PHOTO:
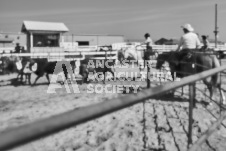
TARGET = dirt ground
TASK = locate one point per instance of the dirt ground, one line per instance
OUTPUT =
(157, 124)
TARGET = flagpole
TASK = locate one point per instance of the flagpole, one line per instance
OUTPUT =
(216, 28)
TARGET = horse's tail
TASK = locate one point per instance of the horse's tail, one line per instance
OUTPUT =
(215, 78)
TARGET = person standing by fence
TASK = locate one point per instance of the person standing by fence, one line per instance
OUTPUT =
(148, 42)
(147, 53)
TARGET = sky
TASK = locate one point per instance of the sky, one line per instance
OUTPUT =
(131, 18)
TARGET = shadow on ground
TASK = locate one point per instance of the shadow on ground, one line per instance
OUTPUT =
(15, 82)
(170, 97)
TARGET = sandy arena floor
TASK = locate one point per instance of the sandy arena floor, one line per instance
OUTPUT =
(157, 124)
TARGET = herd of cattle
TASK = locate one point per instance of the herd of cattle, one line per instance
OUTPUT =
(25, 66)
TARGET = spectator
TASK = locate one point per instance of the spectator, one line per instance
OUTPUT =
(49, 44)
(148, 42)
(23, 50)
(39, 44)
(205, 42)
(17, 48)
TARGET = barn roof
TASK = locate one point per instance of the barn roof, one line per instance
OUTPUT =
(43, 26)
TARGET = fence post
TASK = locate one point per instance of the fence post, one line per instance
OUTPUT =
(105, 54)
(221, 95)
(144, 59)
(191, 104)
(2, 60)
(148, 75)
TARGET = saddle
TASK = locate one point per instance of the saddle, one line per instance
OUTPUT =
(184, 57)
(185, 54)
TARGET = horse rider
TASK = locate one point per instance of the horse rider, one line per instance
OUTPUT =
(148, 42)
(205, 43)
(188, 42)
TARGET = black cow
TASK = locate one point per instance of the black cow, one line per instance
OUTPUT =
(24, 67)
(45, 68)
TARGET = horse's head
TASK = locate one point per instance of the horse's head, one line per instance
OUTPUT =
(160, 60)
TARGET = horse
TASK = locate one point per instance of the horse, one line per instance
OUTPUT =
(172, 59)
(132, 53)
(193, 62)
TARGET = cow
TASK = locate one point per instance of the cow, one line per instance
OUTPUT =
(25, 66)
(95, 66)
(45, 68)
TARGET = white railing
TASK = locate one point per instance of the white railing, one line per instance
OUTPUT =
(163, 48)
(166, 48)
(68, 56)
(59, 53)
(7, 49)
(87, 48)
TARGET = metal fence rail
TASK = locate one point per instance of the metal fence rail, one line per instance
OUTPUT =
(204, 137)
(23, 134)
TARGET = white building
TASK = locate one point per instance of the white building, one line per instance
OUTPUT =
(43, 36)
(46, 36)
(91, 40)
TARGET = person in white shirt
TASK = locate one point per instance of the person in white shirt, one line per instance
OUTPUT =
(148, 42)
(189, 40)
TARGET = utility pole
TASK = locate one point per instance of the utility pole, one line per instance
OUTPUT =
(72, 40)
(216, 28)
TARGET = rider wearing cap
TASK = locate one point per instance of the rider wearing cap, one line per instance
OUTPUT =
(188, 42)
(148, 42)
